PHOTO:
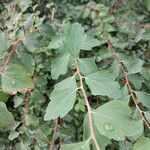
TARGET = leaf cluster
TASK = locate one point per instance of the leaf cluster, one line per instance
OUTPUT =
(75, 75)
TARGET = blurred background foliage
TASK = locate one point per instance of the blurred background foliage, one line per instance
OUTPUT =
(40, 23)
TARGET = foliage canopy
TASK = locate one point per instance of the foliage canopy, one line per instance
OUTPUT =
(74, 74)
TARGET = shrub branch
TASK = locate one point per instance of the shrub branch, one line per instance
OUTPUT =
(9, 56)
(54, 135)
(135, 101)
(115, 6)
(129, 22)
(92, 134)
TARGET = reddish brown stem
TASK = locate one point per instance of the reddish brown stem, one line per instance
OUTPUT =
(144, 26)
(9, 56)
(126, 22)
(128, 83)
(115, 6)
(92, 134)
(54, 135)
(60, 143)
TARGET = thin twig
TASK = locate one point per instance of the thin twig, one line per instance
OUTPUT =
(9, 56)
(126, 78)
(92, 134)
(129, 22)
(25, 112)
(26, 107)
(54, 135)
(53, 14)
(144, 26)
(115, 6)
(26, 103)
(127, 83)
(60, 143)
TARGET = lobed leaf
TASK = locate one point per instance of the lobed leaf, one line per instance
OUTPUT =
(144, 98)
(85, 145)
(87, 66)
(4, 43)
(103, 83)
(62, 99)
(114, 121)
(6, 118)
(16, 79)
(59, 65)
(142, 144)
(75, 39)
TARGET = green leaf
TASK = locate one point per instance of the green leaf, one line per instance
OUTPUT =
(139, 35)
(31, 120)
(103, 54)
(85, 145)
(6, 118)
(46, 30)
(86, 13)
(146, 34)
(37, 96)
(103, 83)
(56, 42)
(108, 27)
(62, 99)
(15, 78)
(18, 100)
(147, 4)
(114, 120)
(59, 65)
(133, 65)
(147, 115)
(3, 96)
(13, 135)
(27, 62)
(75, 39)
(41, 137)
(114, 69)
(144, 98)
(87, 66)
(146, 73)
(125, 96)
(32, 42)
(142, 144)
(125, 145)
(24, 4)
(4, 43)
(29, 22)
(118, 43)
(102, 140)
(136, 80)
(89, 43)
